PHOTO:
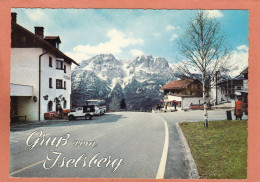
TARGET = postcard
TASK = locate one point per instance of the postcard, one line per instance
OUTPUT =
(129, 94)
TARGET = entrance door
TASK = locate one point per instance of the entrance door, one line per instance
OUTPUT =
(57, 105)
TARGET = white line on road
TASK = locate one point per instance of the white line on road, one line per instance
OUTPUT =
(161, 170)
(25, 168)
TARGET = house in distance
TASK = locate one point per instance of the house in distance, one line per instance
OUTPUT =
(40, 73)
(183, 92)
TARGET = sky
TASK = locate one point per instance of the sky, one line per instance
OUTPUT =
(127, 33)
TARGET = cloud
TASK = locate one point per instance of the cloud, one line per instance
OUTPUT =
(170, 27)
(214, 13)
(36, 15)
(174, 36)
(242, 47)
(238, 62)
(78, 57)
(118, 40)
(136, 52)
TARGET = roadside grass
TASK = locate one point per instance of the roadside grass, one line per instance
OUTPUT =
(220, 152)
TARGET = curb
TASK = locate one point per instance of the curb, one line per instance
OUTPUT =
(192, 165)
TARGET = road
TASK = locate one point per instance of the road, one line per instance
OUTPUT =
(117, 145)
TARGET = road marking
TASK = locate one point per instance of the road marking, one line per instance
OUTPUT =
(161, 170)
(25, 168)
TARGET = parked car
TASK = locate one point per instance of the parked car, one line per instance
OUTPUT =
(100, 106)
(82, 111)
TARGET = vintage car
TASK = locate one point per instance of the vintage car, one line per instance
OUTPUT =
(83, 111)
(100, 106)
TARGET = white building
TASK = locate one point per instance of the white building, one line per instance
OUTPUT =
(40, 77)
(184, 93)
(228, 90)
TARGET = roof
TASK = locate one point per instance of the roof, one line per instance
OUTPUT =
(245, 71)
(178, 84)
(34, 41)
(52, 38)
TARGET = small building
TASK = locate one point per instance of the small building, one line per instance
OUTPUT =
(228, 90)
(40, 77)
(243, 91)
(185, 92)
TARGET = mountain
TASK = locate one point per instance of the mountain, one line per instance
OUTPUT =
(138, 80)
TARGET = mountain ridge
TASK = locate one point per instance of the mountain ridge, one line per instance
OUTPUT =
(138, 80)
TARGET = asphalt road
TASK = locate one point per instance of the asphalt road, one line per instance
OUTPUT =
(116, 145)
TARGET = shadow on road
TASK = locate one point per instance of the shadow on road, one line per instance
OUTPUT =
(23, 126)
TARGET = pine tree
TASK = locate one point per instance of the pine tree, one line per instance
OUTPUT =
(123, 104)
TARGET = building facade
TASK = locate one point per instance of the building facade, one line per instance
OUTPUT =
(40, 77)
(227, 91)
(185, 92)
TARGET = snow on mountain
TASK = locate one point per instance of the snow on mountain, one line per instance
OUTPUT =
(104, 76)
(138, 80)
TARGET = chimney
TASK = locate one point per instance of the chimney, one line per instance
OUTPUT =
(39, 31)
(13, 15)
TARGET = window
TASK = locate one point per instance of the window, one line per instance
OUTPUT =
(58, 84)
(50, 61)
(79, 108)
(50, 82)
(64, 85)
(59, 65)
(64, 68)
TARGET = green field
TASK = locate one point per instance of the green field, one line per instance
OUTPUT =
(220, 152)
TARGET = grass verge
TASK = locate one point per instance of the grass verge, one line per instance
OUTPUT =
(220, 152)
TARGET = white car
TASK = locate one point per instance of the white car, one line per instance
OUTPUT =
(99, 111)
(100, 106)
(84, 111)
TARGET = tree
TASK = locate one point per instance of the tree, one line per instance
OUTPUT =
(204, 46)
(114, 103)
(123, 104)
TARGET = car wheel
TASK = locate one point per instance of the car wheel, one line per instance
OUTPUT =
(88, 116)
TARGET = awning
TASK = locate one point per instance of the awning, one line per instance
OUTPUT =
(239, 92)
(21, 90)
